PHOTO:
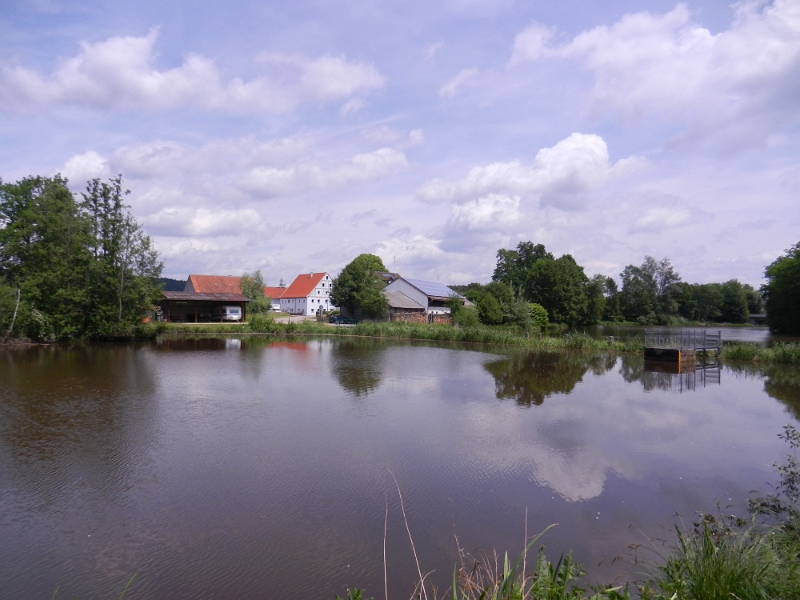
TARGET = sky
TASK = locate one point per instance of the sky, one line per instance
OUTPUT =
(292, 136)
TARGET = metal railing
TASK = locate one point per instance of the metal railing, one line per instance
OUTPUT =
(697, 339)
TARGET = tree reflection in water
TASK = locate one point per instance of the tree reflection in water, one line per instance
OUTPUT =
(530, 377)
(781, 382)
(358, 364)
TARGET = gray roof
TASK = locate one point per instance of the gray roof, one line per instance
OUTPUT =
(400, 300)
(432, 288)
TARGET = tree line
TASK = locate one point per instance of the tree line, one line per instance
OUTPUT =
(72, 268)
(649, 294)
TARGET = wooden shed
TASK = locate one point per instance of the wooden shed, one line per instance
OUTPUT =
(194, 307)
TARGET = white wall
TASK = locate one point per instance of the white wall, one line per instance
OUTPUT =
(401, 285)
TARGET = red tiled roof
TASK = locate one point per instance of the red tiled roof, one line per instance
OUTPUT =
(303, 285)
(226, 284)
(216, 284)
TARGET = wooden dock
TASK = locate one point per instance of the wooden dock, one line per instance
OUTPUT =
(680, 345)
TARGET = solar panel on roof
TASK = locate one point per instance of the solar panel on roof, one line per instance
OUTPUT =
(432, 288)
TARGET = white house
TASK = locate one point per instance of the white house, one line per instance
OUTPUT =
(308, 294)
(430, 294)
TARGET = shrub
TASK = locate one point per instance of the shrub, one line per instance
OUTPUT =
(538, 314)
(466, 317)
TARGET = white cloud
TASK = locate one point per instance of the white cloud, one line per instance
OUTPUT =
(489, 212)
(417, 252)
(464, 77)
(82, 167)
(202, 222)
(272, 181)
(649, 64)
(531, 44)
(557, 175)
(121, 73)
(432, 50)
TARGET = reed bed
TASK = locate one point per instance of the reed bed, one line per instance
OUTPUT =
(780, 353)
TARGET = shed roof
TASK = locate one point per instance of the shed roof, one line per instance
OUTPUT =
(215, 284)
(400, 300)
(203, 297)
(303, 285)
(432, 289)
(274, 292)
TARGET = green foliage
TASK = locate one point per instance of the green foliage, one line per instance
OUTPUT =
(262, 323)
(595, 300)
(785, 353)
(466, 317)
(538, 315)
(489, 310)
(558, 284)
(358, 289)
(83, 269)
(733, 308)
(646, 290)
(782, 292)
(253, 286)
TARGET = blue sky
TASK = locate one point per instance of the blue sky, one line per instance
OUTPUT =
(290, 137)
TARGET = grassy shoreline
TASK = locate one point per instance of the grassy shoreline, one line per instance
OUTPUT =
(413, 331)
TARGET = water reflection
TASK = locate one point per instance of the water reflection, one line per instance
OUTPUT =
(530, 377)
(781, 382)
(74, 415)
(358, 365)
(680, 377)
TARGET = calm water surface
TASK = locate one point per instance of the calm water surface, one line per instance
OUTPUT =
(228, 468)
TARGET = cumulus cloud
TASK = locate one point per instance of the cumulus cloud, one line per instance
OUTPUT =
(464, 77)
(82, 167)
(557, 176)
(489, 212)
(121, 73)
(648, 64)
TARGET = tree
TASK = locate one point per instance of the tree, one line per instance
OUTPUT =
(646, 290)
(82, 269)
(125, 268)
(733, 308)
(489, 310)
(559, 286)
(595, 299)
(513, 265)
(782, 292)
(358, 289)
(252, 286)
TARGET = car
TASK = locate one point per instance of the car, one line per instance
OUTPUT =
(226, 313)
(340, 320)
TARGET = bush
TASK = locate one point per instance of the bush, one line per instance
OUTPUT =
(466, 317)
(260, 323)
(539, 317)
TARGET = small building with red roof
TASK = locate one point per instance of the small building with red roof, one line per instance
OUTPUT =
(309, 294)
(227, 284)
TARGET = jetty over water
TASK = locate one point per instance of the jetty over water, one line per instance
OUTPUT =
(679, 345)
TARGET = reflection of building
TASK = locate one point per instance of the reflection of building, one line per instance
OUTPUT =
(680, 377)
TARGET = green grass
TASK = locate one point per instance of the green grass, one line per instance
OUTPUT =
(780, 353)
(414, 331)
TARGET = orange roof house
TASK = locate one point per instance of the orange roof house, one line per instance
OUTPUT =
(308, 294)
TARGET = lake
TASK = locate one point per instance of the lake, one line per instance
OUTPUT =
(255, 468)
